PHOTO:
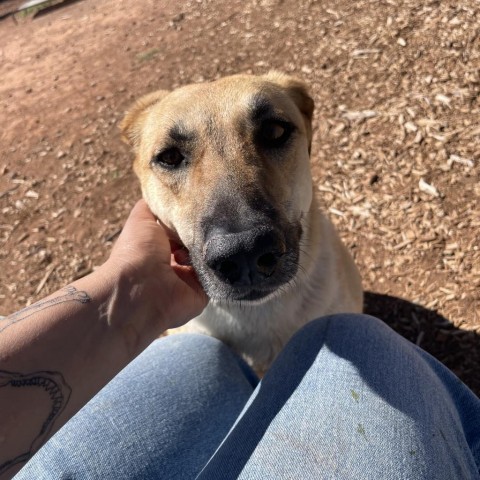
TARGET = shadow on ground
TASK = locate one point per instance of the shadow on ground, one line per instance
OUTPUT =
(458, 349)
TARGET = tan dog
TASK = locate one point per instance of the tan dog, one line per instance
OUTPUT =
(226, 167)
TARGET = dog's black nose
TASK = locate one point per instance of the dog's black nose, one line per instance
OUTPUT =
(245, 258)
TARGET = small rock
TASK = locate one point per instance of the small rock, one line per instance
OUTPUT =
(443, 99)
(44, 256)
(178, 18)
(31, 194)
(410, 127)
(427, 188)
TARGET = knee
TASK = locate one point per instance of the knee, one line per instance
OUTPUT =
(193, 341)
(193, 351)
(346, 331)
(356, 324)
(186, 348)
(359, 344)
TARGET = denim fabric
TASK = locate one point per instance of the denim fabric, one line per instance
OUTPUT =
(350, 399)
(174, 402)
(347, 399)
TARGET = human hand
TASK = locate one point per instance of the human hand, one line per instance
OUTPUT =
(169, 294)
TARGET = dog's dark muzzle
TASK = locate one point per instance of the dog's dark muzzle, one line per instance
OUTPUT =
(245, 259)
(245, 249)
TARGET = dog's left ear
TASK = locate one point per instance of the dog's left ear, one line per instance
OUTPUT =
(298, 91)
(132, 124)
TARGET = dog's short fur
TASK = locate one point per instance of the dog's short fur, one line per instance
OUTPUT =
(225, 166)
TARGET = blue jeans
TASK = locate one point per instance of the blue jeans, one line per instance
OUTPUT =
(348, 398)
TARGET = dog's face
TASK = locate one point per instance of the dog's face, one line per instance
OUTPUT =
(225, 166)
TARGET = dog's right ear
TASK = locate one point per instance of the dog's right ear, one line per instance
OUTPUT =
(132, 124)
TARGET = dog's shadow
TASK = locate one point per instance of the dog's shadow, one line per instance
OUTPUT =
(458, 349)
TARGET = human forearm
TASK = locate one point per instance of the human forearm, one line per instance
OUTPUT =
(57, 354)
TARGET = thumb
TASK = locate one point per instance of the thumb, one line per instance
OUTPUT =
(141, 212)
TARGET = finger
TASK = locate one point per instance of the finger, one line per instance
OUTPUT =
(141, 212)
(188, 276)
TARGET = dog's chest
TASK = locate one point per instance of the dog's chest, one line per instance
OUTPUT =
(257, 333)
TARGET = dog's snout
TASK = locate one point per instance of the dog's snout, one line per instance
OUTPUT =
(246, 258)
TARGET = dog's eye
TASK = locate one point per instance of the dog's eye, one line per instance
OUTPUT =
(169, 158)
(274, 133)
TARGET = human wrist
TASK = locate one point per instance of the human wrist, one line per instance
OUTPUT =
(125, 306)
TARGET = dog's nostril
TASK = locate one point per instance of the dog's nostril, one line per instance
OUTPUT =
(229, 270)
(248, 258)
(267, 263)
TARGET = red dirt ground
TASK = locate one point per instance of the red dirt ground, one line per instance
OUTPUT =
(395, 157)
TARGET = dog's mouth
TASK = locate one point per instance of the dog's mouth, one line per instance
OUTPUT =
(180, 253)
(250, 295)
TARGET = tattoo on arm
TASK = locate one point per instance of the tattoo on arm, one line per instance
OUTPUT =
(52, 383)
(58, 392)
(67, 294)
